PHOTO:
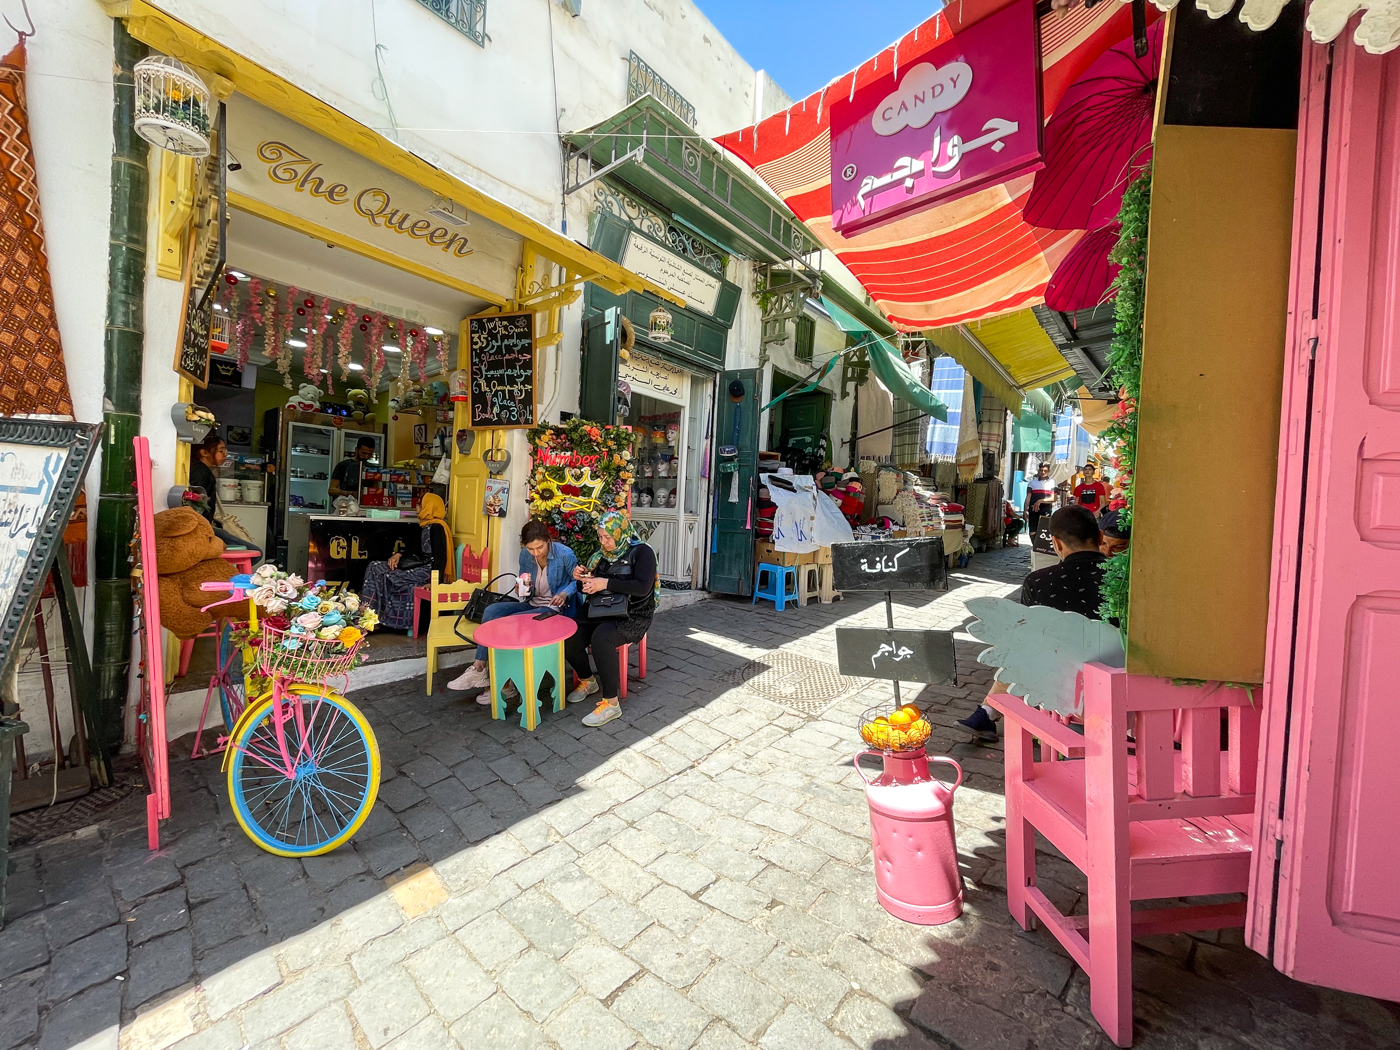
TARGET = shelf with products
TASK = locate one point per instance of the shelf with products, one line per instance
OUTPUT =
(399, 487)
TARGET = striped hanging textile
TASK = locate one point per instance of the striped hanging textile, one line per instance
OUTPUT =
(32, 375)
(970, 258)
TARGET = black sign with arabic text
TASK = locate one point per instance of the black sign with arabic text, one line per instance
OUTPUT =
(905, 656)
(887, 565)
(502, 370)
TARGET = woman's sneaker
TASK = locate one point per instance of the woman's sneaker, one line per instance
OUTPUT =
(586, 688)
(471, 678)
(604, 713)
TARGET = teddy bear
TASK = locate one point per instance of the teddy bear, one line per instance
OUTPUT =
(359, 402)
(306, 399)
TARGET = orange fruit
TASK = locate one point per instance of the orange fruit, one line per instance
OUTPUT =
(881, 720)
(902, 717)
(912, 710)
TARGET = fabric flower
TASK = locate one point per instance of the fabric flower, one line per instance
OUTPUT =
(277, 623)
(296, 581)
(332, 618)
(352, 603)
(286, 589)
(368, 620)
(310, 603)
(290, 643)
(310, 620)
(348, 636)
(275, 605)
(296, 628)
(324, 607)
(328, 633)
(264, 573)
(264, 594)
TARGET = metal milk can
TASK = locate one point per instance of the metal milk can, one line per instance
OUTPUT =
(911, 825)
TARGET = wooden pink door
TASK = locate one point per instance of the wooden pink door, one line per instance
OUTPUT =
(1325, 886)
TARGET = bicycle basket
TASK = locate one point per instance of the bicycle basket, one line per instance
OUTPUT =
(304, 657)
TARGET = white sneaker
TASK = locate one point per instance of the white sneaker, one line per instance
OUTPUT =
(586, 688)
(471, 678)
(604, 713)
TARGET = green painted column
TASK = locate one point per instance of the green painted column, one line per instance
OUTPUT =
(123, 354)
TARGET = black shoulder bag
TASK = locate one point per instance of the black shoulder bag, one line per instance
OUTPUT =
(608, 606)
(482, 599)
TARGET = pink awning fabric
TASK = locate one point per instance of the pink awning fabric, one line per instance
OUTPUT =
(970, 258)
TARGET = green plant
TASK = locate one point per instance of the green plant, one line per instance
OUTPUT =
(1125, 364)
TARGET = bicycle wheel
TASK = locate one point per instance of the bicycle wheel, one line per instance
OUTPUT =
(233, 690)
(335, 780)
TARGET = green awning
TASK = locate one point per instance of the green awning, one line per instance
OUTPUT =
(888, 365)
(805, 386)
(1031, 433)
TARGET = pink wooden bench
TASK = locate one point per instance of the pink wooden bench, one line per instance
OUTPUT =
(1140, 818)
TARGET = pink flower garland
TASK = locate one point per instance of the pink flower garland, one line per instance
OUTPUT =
(318, 329)
(442, 356)
(374, 354)
(420, 351)
(347, 338)
(243, 338)
(284, 352)
(269, 323)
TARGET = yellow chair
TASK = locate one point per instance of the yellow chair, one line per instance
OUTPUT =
(446, 601)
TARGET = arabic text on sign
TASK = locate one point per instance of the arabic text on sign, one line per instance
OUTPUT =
(699, 289)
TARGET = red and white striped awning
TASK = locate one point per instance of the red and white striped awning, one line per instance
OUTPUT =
(970, 258)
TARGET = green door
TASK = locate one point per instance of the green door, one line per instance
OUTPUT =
(804, 422)
(731, 545)
(598, 387)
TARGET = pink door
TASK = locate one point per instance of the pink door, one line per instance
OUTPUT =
(1325, 887)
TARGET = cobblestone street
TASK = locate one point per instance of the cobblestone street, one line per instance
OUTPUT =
(695, 874)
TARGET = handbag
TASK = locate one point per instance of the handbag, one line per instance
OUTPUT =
(606, 606)
(482, 599)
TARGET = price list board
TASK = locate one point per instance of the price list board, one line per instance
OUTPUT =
(501, 350)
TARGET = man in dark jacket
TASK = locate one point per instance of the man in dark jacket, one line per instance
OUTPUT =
(1074, 585)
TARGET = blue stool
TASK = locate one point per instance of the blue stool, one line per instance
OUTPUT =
(781, 587)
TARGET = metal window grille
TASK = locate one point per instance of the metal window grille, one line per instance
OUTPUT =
(643, 80)
(466, 16)
(806, 337)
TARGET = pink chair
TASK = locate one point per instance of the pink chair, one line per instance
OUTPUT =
(1140, 818)
(622, 665)
(470, 571)
(243, 562)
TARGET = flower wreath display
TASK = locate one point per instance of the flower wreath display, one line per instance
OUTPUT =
(578, 471)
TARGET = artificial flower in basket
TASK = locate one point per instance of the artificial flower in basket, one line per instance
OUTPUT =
(306, 620)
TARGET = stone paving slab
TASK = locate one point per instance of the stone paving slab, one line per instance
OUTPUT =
(696, 874)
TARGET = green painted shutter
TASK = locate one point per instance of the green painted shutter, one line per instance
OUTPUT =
(727, 303)
(610, 237)
(598, 386)
(731, 556)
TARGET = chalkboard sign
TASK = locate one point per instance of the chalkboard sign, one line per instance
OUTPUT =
(205, 261)
(904, 656)
(193, 361)
(502, 370)
(887, 565)
(41, 472)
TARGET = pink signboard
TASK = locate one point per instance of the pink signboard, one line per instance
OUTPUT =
(961, 115)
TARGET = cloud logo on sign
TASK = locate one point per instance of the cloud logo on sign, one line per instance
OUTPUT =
(925, 92)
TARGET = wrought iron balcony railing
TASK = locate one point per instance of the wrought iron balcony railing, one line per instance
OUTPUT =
(466, 16)
(643, 80)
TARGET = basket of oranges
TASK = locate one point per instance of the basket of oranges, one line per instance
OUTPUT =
(903, 729)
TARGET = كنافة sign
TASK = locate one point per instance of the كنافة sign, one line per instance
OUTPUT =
(886, 565)
(896, 655)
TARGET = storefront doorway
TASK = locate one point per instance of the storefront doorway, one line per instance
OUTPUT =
(669, 409)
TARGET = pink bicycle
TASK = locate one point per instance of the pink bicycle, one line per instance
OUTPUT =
(302, 761)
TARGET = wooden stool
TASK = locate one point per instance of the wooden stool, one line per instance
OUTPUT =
(807, 587)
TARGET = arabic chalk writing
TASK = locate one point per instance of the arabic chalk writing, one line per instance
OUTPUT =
(901, 653)
(502, 370)
(887, 563)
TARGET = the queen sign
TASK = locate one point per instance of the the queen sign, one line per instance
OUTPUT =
(963, 114)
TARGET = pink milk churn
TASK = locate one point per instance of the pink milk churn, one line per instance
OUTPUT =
(916, 849)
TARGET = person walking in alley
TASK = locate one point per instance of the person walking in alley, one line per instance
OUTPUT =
(1040, 497)
(1074, 585)
(624, 567)
(1091, 493)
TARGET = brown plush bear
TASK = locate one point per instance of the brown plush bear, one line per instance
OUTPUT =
(187, 554)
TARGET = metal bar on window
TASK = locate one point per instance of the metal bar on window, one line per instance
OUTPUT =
(468, 17)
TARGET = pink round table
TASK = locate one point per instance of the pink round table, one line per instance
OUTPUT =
(522, 649)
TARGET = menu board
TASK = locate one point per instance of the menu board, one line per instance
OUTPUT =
(193, 359)
(205, 261)
(501, 349)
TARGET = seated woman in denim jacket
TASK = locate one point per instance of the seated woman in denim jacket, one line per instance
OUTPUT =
(546, 581)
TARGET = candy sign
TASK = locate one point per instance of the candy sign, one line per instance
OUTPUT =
(963, 115)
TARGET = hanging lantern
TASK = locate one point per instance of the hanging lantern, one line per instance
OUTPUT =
(460, 387)
(661, 327)
(172, 106)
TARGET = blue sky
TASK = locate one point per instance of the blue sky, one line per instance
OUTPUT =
(803, 44)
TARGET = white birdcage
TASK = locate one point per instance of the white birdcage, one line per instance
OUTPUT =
(172, 106)
(661, 327)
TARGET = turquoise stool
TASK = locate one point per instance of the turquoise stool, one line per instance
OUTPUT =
(781, 587)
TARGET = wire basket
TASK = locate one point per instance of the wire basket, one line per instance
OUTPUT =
(304, 657)
(877, 731)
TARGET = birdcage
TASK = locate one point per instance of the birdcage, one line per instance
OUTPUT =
(172, 106)
(661, 327)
